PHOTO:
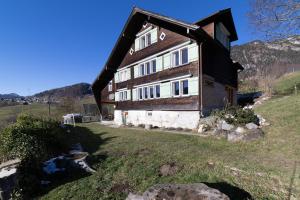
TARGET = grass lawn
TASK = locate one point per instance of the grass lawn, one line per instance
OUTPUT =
(286, 84)
(129, 159)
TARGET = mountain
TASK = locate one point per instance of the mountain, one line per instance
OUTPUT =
(10, 96)
(256, 56)
(74, 91)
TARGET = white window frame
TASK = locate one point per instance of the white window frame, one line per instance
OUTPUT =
(180, 83)
(145, 67)
(122, 95)
(142, 89)
(110, 86)
(180, 57)
(144, 40)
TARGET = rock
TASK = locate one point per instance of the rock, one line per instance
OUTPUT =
(168, 169)
(253, 134)
(240, 130)
(132, 196)
(183, 191)
(202, 128)
(251, 126)
(225, 126)
(235, 136)
(262, 121)
(210, 121)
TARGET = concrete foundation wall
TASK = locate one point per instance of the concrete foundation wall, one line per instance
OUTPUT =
(175, 119)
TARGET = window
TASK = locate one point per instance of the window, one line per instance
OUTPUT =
(157, 91)
(123, 96)
(151, 90)
(175, 88)
(148, 92)
(148, 39)
(180, 88)
(175, 58)
(145, 92)
(148, 67)
(110, 86)
(140, 93)
(142, 70)
(184, 56)
(185, 87)
(153, 66)
(142, 42)
(222, 35)
(180, 57)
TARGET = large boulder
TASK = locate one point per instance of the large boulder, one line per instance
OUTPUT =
(225, 126)
(251, 126)
(180, 191)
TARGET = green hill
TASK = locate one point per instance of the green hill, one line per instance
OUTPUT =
(286, 84)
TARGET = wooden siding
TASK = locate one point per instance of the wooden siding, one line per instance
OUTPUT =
(179, 103)
(209, 29)
(190, 68)
(171, 39)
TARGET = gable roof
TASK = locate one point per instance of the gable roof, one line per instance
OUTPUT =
(223, 16)
(133, 25)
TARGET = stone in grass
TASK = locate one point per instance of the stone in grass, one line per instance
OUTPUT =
(240, 130)
(235, 136)
(202, 128)
(253, 134)
(183, 191)
(251, 126)
(225, 126)
(168, 169)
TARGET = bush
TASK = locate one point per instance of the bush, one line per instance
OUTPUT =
(236, 115)
(33, 140)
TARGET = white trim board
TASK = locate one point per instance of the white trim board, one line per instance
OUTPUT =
(170, 79)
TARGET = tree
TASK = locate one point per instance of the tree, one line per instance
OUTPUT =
(275, 19)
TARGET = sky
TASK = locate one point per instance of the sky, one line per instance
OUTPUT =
(46, 44)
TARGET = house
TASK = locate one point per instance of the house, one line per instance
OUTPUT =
(168, 73)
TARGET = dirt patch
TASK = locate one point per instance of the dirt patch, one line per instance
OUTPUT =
(168, 169)
(142, 152)
(121, 188)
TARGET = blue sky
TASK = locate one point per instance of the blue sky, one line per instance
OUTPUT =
(53, 43)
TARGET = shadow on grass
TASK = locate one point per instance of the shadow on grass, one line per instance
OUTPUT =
(231, 191)
(90, 143)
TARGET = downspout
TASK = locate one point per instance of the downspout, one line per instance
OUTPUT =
(200, 82)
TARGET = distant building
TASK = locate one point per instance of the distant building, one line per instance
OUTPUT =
(167, 72)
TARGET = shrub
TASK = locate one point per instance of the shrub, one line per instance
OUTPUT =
(236, 115)
(33, 140)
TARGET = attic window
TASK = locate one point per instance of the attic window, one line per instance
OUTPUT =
(162, 36)
(131, 51)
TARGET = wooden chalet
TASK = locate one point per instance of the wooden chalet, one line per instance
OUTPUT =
(168, 73)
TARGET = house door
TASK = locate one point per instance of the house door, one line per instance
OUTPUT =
(229, 93)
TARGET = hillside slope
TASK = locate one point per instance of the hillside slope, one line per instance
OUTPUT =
(257, 55)
(286, 84)
(75, 91)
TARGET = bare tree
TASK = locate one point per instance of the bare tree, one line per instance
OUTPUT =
(275, 19)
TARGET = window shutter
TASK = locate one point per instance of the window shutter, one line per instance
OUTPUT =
(117, 77)
(159, 63)
(165, 90)
(137, 44)
(128, 73)
(136, 71)
(193, 86)
(193, 52)
(153, 35)
(134, 94)
(117, 97)
(166, 61)
(128, 94)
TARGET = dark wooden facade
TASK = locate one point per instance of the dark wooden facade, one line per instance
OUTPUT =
(214, 60)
